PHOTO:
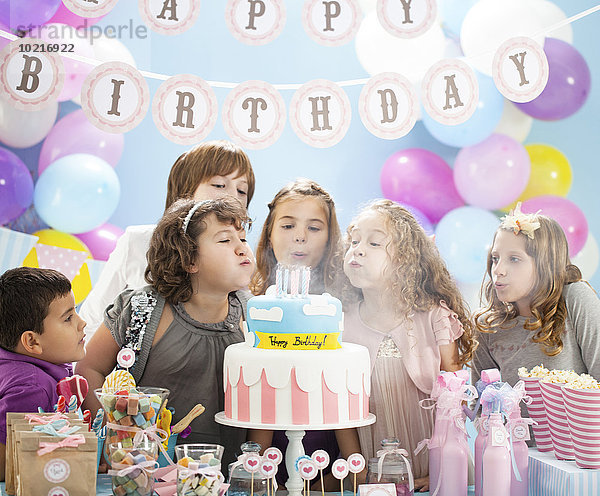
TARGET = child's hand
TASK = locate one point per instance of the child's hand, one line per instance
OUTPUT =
(422, 484)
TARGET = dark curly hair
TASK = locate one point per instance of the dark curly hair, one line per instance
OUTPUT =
(173, 250)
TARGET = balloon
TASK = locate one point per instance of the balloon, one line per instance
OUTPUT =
(588, 258)
(550, 14)
(568, 86)
(420, 217)
(493, 172)
(453, 13)
(464, 237)
(20, 129)
(81, 284)
(422, 179)
(75, 134)
(16, 186)
(28, 222)
(489, 23)
(566, 213)
(479, 126)
(550, 173)
(77, 193)
(379, 51)
(75, 72)
(102, 240)
(24, 15)
(65, 16)
(514, 123)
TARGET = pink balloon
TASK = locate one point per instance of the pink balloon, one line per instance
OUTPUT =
(75, 134)
(566, 213)
(493, 173)
(422, 179)
(102, 240)
(65, 16)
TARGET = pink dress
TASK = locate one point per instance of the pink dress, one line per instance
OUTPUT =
(405, 362)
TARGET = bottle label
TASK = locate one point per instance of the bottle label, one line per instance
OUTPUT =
(498, 435)
(520, 432)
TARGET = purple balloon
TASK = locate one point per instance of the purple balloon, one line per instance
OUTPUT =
(566, 213)
(75, 134)
(568, 84)
(422, 179)
(421, 218)
(24, 14)
(102, 240)
(16, 186)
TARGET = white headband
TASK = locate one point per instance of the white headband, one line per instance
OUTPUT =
(188, 217)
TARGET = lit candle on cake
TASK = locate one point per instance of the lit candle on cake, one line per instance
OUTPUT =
(305, 281)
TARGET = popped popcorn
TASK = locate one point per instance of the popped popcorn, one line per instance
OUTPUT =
(537, 371)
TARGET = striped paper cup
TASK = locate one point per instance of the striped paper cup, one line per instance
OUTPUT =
(541, 431)
(582, 407)
(557, 420)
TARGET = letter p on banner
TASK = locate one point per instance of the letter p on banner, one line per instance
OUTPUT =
(30, 80)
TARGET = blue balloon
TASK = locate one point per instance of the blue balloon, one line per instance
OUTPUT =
(463, 237)
(77, 193)
(479, 126)
(453, 13)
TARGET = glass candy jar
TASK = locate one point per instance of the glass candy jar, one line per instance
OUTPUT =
(242, 482)
(391, 466)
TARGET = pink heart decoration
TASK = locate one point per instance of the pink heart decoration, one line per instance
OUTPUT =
(267, 468)
(252, 463)
(307, 470)
(340, 468)
(272, 456)
(320, 459)
(356, 463)
(126, 357)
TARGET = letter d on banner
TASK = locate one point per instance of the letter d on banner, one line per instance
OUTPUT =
(115, 97)
(31, 81)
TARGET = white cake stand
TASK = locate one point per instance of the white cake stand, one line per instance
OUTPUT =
(294, 433)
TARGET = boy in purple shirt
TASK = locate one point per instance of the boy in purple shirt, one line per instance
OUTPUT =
(40, 335)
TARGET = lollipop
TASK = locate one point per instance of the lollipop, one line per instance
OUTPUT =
(75, 385)
(308, 471)
(356, 464)
(61, 404)
(273, 454)
(118, 379)
(340, 470)
(321, 459)
(252, 465)
(72, 404)
(269, 470)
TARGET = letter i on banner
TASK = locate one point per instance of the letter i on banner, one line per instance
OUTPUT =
(520, 69)
(331, 22)
(169, 17)
(30, 80)
(185, 109)
(406, 18)
(388, 106)
(115, 97)
(255, 22)
(320, 113)
(450, 92)
(254, 114)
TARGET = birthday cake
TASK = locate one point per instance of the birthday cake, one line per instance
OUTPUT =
(294, 368)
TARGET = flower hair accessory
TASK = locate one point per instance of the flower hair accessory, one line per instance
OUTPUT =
(188, 217)
(518, 221)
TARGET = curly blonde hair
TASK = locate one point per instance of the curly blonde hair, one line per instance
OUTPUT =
(553, 268)
(330, 267)
(418, 278)
(173, 250)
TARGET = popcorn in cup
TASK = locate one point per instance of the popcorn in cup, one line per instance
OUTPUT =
(537, 412)
(557, 420)
(198, 466)
(582, 407)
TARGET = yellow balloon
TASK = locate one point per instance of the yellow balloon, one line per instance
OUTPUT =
(81, 283)
(550, 174)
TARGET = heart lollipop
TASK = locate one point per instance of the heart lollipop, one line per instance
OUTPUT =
(75, 385)
(308, 471)
(339, 469)
(268, 468)
(356, 464)
(321, 459)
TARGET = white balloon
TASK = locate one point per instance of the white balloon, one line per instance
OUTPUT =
(379, 51)
(470, 292)
(22, 129)
(549, 14)
(514, 123)
(489, 23)
(367, 5)
(588, 258)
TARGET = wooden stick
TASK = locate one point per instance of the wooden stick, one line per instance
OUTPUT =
(187, 420)
(322, 486)
(252, 483)
(341, 487)
(354, 483)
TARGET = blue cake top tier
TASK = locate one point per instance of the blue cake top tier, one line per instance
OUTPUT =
(313, 322)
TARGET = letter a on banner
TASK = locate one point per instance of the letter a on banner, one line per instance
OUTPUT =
(90, 8)
(254, 114)
(406, 18)
(388, 105)
(520, 69)
(450, 92)
(320, 113)
(115, 97)
(185, 109)
(331, 22)
(30, 80)
(255, 22)
(169, 17)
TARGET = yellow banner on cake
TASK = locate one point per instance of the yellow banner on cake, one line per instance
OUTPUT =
(314, 341)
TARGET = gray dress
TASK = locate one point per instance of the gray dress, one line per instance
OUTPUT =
(187, 360)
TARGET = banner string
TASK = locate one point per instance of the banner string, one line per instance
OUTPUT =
(295, 86)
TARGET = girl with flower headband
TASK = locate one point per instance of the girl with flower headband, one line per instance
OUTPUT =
(209, 170)
(538, 309)
(179, 326)
(411, 317)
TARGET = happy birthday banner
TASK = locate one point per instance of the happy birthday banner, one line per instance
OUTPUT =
(115, 96)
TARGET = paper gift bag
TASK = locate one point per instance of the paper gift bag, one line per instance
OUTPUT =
(12, 419)
(56, 465)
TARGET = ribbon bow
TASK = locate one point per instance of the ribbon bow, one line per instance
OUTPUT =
(60, 430)
(38, 419)
(123, 469)
(68, 442)
(381, 454)
(153, 433)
